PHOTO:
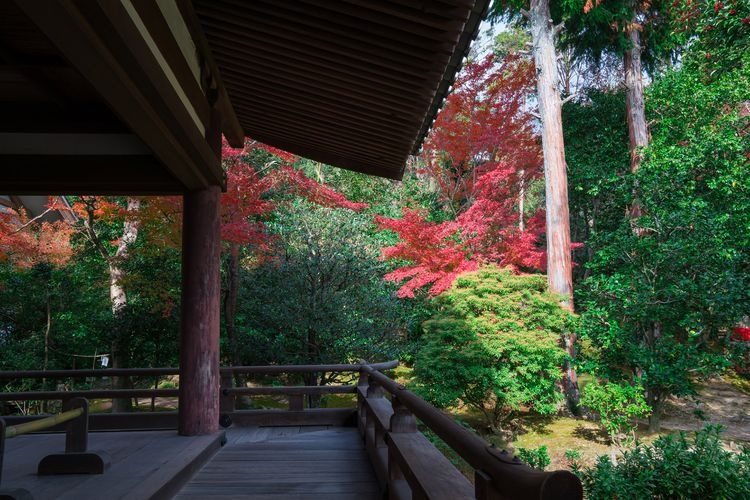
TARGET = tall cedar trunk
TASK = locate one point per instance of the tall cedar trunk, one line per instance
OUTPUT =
(635, 107)
(559, 258)
(634, 102)
(639, 138)
(119, 300)
(230, 310)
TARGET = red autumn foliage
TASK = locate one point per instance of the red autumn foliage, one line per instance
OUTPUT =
(482, 154)
(482, 124)
(27, 242)
(248, 186)
(247, 199)
(741, 333)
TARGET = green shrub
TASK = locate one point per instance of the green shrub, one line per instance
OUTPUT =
(537, 458)
(673, 467)
(494, 345)
(617, 406)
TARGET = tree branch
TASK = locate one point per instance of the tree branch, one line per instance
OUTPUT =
(525, 13)
(32, 221)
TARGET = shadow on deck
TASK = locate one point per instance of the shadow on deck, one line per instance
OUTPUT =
(308, 462)
(145, 464)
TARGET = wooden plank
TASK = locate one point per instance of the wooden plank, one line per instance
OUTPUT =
(329, 463)
(316, 416)
(161, 420)
(144, 465)
(294, 390)
(429, 473)
(95, 394)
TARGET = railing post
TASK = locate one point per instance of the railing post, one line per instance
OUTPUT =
(483, 487)
(374, 437)
(226, 403)
(376, 431)
(374, 389)
(402, 419)
(76, 459)
(361, 413)
(227, 399)
(296, 402)
(77, 431)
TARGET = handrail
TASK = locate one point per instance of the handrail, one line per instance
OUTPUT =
(76, 459)
(164, 371)
(102, 372)
(88, 394)
(508, 475)
(386, 365)
(45, 423)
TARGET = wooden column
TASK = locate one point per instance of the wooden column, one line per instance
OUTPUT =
(201, 289)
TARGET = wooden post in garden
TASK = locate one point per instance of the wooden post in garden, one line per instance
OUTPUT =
(199, 345)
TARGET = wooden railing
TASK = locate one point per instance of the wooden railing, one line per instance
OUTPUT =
(406, 463)
(296, 414)
(97, 421)
(409, 466)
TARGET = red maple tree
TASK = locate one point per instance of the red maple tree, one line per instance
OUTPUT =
(481, 154)
(26, 241)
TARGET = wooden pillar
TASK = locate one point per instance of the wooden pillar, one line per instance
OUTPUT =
(199, 345)
(201, 289)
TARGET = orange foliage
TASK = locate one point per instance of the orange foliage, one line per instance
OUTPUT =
(27, 242)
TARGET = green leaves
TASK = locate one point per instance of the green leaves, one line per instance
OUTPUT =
(674, 466)
(617, 405)
(664, 286)
(494, 345)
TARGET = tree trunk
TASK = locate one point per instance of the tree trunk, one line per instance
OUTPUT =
(634, 101)
(521, 199)
(230, 314)
(45, 403)
(657, 408)
(119, 300)
(559, 258)
(635, 107)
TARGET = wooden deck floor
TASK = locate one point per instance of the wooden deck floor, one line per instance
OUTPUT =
(150, 464)
(275, 463)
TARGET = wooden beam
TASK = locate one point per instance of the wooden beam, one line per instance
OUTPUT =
(102, 42)
(72, 118)
(82, 144)
(230, 125)
(86, 175)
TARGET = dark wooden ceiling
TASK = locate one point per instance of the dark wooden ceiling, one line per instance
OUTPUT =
(351, 83)
(43, 96)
